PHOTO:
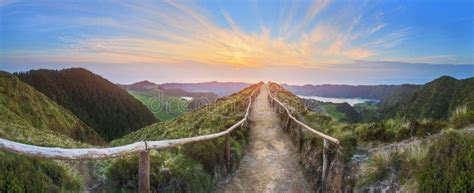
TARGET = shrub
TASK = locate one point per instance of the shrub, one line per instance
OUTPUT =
(22, 174)
(448, 165)
(375, 132)
(378, 168)
(348, 143)
(462, 117)
(169, 172)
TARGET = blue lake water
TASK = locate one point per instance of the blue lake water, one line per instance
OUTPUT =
(351, 101)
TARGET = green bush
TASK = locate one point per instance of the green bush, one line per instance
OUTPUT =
(448, 165)
(378, 168)
(348, 143)
(462, 117)
(169, 172)
(377, 131)
(420, 129)
(21, 174)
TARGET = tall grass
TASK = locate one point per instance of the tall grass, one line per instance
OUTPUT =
(378, 168)
(461, 117)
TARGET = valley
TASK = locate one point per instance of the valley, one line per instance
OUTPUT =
(378, 149)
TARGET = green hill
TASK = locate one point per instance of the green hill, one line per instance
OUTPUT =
(111, 111)
(436, 99)
(28, 115)
(164, 107)
(167, 104)
(190, 167)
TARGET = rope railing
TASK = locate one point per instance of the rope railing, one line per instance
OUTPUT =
(142, 147)
(326, 138)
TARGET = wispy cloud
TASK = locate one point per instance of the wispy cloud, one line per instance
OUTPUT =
(181, 33)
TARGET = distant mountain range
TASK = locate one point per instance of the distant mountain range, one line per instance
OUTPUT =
(168, 103)
(111, 111)
(377, 92)
(219, 88)
(434, 100)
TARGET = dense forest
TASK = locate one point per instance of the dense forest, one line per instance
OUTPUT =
(111, 111)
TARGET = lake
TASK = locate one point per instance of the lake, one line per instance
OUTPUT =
(351, 101)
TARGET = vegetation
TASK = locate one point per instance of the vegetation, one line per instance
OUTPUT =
(190, 166)
(435, 100)
(27, 113)
(102, 105)
(164, 107)
(345, 91)
(462, 117)
(174, 173)
(445, 164)
(453, 151)
(21, 174)
(379, 168)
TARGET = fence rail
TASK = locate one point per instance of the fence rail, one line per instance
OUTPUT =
(142, 147)
(326, 138)
(320, 134)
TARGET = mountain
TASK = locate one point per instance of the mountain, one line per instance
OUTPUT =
(140, 86)
(107, 108)
(168, 103)
(219, 88)
(435, 100)
(29, 114)
(377, 92)
(30, 117)
(342, 112)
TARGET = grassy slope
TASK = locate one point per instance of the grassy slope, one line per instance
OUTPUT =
(28, 115)
(102, 105)
(164, 107)
(194, 166)
(416, 169)
(436, 99)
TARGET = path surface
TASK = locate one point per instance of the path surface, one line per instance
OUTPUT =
(271, 161)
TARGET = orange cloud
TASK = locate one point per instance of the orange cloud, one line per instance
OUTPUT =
(178, 33)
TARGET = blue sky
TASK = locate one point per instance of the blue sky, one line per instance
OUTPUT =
(322, 41)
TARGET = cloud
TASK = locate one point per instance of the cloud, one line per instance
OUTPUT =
(172, 32)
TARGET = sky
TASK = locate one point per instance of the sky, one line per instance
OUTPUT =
(290, 41)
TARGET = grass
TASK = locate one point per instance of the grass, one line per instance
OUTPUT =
(454, 151)
(26, 107)
(162, 106)
(445, 164)
(378, 168)
(462, 117)
(21, 174)
(190, 167)
(368, 105)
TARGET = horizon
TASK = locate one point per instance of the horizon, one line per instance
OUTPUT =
(298, 42)
(237, 82)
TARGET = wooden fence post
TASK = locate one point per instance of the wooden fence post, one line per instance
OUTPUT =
(325, 165)
(227, 152)
(144, 172)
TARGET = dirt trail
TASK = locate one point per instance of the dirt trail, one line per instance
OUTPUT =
(271, 161)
